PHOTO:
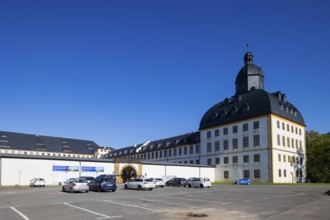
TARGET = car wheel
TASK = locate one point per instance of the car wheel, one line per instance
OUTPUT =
(162, 186)
(189, 185)
(87, 191)
(113, 190)
(150, 189)
(139, 187)
(201, 186)
(71, 190)
(63, 190)
(125, 186)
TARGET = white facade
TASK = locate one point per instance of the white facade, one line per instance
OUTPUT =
(19, 171)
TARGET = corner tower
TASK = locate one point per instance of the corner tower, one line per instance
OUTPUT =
(250, 77)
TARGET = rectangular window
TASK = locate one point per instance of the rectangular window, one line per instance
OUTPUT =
(256, 125)
(174, 152)
(197, 161)
(225, 131)
(292, 130)
(235, 159)
(256, 173)
(185, 150)
(257, 158)
(279, 157)
(283, 141)
(278, 124)
(226, 174)
(197, 149)
(245, 127)
(208, 134)
(225, 160)
(284, 158)
(279, 172)
(217, 146)
(160, 154)
(246, 173)
(246, 158)
(165, 153)
(235, 129)
(209, 148)
(292, 142)
(283, 126)
(278, 140)
(296, 143)
(209, 161)
(299, 131)
(245, 141)
(180, 151)
(225, 145)
(216, 133)
(235, 143)
(288, 141)
(217, 160)
(170, 152)
(191, 150)
(152, 155)
(191, 162)
(256, 140)
(287, 127)
(300, 144)
(296, 130)
(284, 173)
(156, 155)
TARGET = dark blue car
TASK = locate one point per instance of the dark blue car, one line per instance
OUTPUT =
(103, 183)
(243, 181)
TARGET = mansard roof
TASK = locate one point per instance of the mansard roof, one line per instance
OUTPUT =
(31, 142)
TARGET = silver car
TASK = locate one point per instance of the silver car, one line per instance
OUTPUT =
(139, 184)
(75, 185)
(199, 182)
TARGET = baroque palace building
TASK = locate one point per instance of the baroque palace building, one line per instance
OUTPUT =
(253, 134)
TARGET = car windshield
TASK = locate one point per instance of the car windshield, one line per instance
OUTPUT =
(158, 179)
(148, 180)
(109, 180)
(206, 179)
(81, 180)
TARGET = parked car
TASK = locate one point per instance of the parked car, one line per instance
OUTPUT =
(159, 182)
(37, 182)
(88, 178)
(243, 181)
(75, 185)
(103, 183)
(177, 181)
(139, 184)
(199, 182)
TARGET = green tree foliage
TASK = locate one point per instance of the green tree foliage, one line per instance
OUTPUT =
(318, 156)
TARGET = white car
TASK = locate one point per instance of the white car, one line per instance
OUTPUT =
(139, 184)
(199, 182)
(37, 182)
(75, 185)
(159, 182)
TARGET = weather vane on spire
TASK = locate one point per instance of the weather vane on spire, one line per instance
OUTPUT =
(247, 43)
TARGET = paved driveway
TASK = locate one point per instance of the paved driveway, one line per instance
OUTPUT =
(218, 202)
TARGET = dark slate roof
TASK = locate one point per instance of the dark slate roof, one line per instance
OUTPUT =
(248, 70)
(30, 142)
(185, 139)
(248, 105)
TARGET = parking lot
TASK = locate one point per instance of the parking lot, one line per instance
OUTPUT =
(217, 202)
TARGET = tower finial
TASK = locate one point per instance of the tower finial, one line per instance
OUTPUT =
(247, 43)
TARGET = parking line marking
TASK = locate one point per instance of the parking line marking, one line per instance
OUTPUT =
(198, 200)
(20, 213)
(86, 210)
(171, 203)
(140, 207)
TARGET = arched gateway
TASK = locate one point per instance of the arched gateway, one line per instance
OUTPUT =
(128, 172)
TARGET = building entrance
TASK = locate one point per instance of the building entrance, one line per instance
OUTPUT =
(128, 173)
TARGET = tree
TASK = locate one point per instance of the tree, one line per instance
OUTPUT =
(318, 156)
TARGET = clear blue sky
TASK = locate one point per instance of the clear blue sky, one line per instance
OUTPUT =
(124, 72)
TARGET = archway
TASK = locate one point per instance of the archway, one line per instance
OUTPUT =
(128, 172)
